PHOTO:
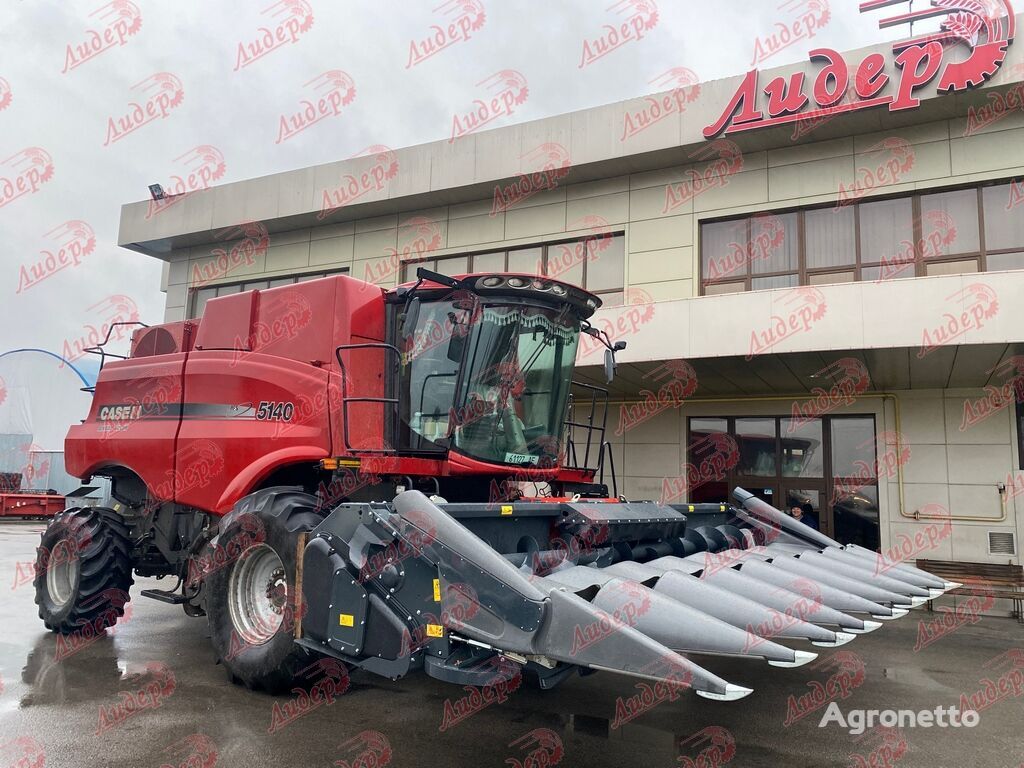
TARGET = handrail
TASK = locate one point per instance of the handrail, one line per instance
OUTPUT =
(345, 399)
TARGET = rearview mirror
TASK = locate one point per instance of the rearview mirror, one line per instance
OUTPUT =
(456, 346)
(609, 365)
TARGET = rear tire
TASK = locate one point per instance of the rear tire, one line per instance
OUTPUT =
(250, 599)
(83, 570)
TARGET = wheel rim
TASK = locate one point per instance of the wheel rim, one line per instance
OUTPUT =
(258, 594)
(61, 573)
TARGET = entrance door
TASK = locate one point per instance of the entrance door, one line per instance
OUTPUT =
(757, 470)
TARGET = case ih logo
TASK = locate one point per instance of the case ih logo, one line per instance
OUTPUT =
(714, 176)
(291, 19)
(161, 92)
(6, 96)
(352, 187)
(334, 89)
(116, 308)
(23, 173)
(460, 19)
(550, 163)
(508, 90)
(641, 16)
(200, 166)
(973, 306)
(120, 20)
(685, 90)
(74, 239)
(797, 20)
(968, 24)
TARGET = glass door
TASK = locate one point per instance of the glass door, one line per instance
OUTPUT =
(758, 467)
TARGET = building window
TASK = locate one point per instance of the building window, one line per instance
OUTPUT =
(199, 296)
(826, 466)
(597, 263)
(975, 229)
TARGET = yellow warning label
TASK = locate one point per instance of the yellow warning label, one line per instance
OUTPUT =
(435, 630)
(437, 590)
(346, 619)
(691, 507)
(506, 509)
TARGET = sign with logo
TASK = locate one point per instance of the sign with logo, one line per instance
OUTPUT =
(984, 27)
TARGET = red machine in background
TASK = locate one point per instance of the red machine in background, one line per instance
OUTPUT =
(27, 503)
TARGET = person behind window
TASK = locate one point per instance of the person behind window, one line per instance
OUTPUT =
(804, 513)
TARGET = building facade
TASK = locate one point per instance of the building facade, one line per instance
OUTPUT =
(823, 303)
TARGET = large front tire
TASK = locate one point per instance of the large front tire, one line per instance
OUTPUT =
(83, 570)
(251, 591)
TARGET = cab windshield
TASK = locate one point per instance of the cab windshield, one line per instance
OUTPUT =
(491, 381)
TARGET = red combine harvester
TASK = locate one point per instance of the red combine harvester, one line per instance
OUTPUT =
(406, 480)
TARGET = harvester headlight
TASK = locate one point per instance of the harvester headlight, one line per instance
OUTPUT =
(592, 303)
(518, 282)
(491, 282)
(558, 290)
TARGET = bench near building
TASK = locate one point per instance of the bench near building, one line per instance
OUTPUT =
(820, 279)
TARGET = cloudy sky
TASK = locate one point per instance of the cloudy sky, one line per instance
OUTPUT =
(71, 69)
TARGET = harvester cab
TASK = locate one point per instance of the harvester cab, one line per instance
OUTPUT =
(485, 376)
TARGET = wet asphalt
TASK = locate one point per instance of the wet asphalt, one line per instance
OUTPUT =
(150, 694)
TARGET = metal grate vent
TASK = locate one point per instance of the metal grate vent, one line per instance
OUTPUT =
(1002, 543)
